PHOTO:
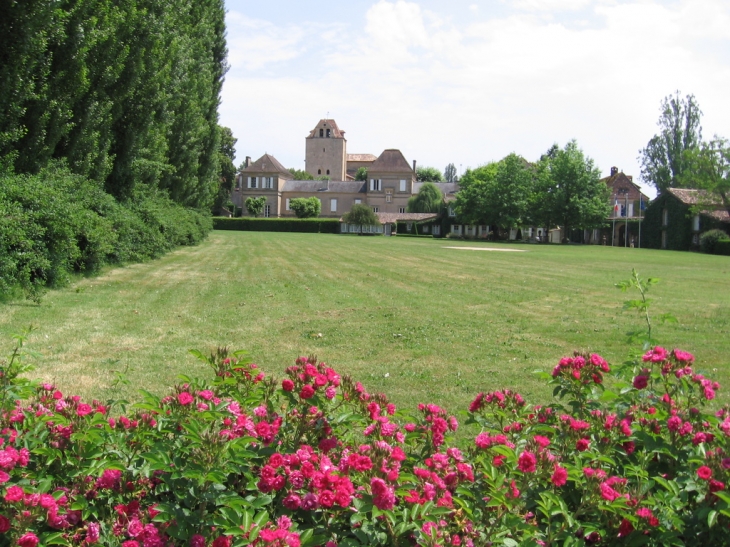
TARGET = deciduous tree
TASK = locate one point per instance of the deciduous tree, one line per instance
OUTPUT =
(306, 207)
(450, 173)
(361, 215)
(255, 205)
(664, 161)
(428, 200)
(428, 174)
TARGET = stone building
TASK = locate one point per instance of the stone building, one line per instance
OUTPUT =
(390, 183)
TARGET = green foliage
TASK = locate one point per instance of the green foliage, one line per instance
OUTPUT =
(450, 173)
(642, 307)
(499, 194)
(361, 215)
(664, 161)
(722, 247)
(55, 224)
(300, 175)
(709, 239)
(428, 174)
(126, 92)
(306, 207)
(569, 191)
(428, 200)
(709, 169)
(308, 225)
(255, 206)
(226, 170)
(362, 174)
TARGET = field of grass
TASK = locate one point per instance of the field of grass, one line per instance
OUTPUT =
(410, 317)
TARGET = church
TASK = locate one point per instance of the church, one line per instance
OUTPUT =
(391, 180)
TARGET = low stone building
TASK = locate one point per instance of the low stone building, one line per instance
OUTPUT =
(672, 221)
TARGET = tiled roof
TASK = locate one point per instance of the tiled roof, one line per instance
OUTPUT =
(335, 132)
(389, 218)
(693, 196)
(268, 164)
(312, 186)
(390, 161)
(361, 157)
(620, 180)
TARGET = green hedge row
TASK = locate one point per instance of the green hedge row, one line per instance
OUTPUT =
(722, 247)
(55, 224)
(307, 225)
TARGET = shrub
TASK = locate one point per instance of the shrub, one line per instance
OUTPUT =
(722, 247)
(307, 225)
(314, 459)
(709, 239)
(56, 224)
(306, 207)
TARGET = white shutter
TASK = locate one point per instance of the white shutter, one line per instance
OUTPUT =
(372, 184)
(249, 182)
(403, 185)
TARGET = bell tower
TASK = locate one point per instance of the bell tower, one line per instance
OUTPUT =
(326, 151)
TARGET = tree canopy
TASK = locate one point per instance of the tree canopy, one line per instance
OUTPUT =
(498, 194)
(569, 191)
(428, 174)
(362, 174)
(361, 215)
(450, 173)
(255, 206)
(306, 207)
(664, 160)
(299, 174)
(126, 92)
(428, 200)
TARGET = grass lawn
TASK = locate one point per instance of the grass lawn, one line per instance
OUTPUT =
(410, 317)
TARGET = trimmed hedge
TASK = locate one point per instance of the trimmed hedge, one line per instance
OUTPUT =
(722, 247)
(305, 225)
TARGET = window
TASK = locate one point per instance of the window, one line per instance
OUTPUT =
(375, 185)
(328, 171)
(319, 171)
(358, 201)
(253, 182)
(401, 209)
(436, 230)
(665, 218)
(239, 181)
(389, 196)
(631, 210)
(424, 229)
(267, 211)
(333, 205)
(402, 185)
(696, 223)
(456, 229)
(267, 182)
(321, 132)
(375, 209)
(409, 225)
(287, 204)
(328, 133)
(452, 213)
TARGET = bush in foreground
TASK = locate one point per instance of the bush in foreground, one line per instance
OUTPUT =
(314, 459)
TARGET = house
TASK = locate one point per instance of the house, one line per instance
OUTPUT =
(628, 203)
(391, 180)
(672, 222)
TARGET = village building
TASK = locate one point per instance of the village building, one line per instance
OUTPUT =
(391, 180)
(673, 220)
(628, 204)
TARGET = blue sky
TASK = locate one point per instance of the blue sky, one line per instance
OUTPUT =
(468, 82)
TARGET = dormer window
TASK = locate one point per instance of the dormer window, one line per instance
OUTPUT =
(321, 132)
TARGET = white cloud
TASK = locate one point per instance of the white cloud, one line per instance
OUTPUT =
(549, 5)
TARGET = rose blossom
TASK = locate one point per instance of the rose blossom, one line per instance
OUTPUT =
(704, 472)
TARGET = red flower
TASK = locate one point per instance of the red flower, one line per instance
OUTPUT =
(560, 476)
(4, 524)
(704, 472)
(184, 398)
(287, 385)
(307, 392)
(640, 382)
(716, 486)
(222, 541)
(28, 540)
(527, 462)
(625, 528)
(583, 444)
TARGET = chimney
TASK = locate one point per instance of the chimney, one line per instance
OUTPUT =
(414, 166)
(614, 171)
(248, 161)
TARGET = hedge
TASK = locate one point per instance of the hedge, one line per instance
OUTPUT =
(306, 225)
(722, 247)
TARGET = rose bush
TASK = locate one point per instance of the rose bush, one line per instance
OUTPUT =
(316, 460)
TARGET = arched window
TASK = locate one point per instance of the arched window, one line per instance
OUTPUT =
(328, 133)
(319, 171)
(321, 132)
(328, 171)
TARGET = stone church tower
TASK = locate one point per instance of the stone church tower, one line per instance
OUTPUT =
(326, 151)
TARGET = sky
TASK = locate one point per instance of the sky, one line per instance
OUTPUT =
(468, 82)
